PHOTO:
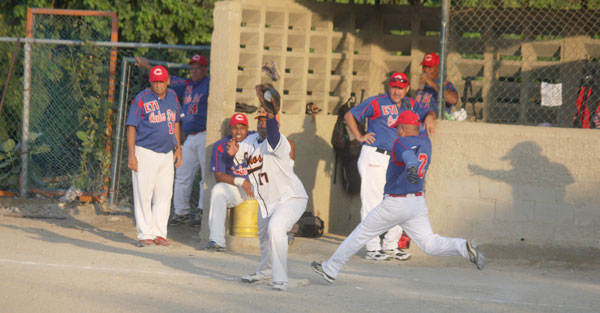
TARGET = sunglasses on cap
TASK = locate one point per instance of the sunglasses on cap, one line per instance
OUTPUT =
(398, 79)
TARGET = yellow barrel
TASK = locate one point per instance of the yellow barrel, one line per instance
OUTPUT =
(245, 216)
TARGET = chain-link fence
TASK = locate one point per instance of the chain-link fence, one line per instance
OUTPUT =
(524, 62)
(71, 121)
(11, 84)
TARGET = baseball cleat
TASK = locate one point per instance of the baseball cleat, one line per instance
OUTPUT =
(197, 220)
(397, 254)
(179, 219)
(318, 268)
(253, 278)
(377, 256)
(213, 246)
(475, 255)
(279, 286)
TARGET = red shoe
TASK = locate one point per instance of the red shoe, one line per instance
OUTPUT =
(160, 241)
(144, 243)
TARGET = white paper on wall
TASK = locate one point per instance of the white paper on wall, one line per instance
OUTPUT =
(551, 94)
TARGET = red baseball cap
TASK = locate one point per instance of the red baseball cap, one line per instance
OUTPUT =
(431, 59)
(399, 80)
(200, 59)
(159, 74)
(407, 118)
(238, 118)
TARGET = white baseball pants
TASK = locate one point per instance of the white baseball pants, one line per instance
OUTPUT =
(372, 167)
(412, 214)
(152, 192)
(272, 233)
(222, 196)
(194, 158)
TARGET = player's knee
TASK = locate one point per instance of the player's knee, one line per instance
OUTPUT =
(219, 190)
(428, 245)
(276, 231)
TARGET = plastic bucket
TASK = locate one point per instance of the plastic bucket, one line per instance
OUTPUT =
(245, 216)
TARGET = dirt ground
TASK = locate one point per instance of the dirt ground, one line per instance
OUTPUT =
(82, 259)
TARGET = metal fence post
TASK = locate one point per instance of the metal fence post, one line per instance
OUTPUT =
(23, 186)
(116, 164)
(443, 54)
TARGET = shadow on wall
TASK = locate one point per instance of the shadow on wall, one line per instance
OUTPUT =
(310, 151)
(532, 177)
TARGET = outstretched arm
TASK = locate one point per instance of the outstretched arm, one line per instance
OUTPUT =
(273, 135)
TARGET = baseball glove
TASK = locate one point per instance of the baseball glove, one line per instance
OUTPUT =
(269, 98)
(271, 70)
(412, 175)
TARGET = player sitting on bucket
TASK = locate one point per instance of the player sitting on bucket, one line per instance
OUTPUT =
(403, 204)
(232, 187)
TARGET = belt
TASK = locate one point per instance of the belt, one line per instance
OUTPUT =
(193, 133)
(416, 194)
(385, 152)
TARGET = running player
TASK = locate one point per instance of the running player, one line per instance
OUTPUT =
(382, 111)
(403, 204)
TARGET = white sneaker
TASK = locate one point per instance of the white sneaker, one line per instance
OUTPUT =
(397, 254)
(280, 286)
(377, 255)
(253, 278)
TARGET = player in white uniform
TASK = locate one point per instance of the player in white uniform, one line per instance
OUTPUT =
(280, 194)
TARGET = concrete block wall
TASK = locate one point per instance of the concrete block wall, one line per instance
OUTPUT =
(497, 183)
(515, 184)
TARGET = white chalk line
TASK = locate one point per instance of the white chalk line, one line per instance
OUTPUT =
(112, 269)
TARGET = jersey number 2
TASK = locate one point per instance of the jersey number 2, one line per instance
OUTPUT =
(422, 163)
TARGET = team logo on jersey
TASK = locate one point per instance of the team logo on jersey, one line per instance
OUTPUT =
(151, 106)
(239, 171)
(391, 121)
(158, 117)
(389, 109)
(188, 94)
(424, 98)
(254, 163)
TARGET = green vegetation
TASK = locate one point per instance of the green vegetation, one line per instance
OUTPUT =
(167, 21)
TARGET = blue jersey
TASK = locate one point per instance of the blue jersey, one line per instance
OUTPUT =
(428, 96)
(194, 97)
(382, 113)
(221, 162)
(154, 120)
(396, 176)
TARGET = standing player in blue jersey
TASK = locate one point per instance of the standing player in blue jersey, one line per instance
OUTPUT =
(194, 95)
(403, 204)
(381, 112)
(429, 82)
(153, 143)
